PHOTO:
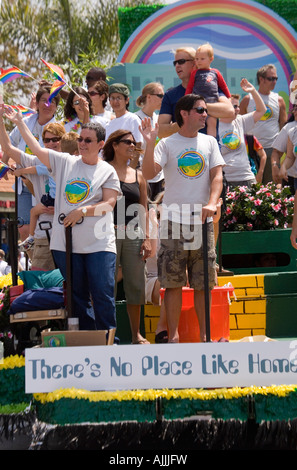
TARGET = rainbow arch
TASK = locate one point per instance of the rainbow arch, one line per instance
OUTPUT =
(246, 15)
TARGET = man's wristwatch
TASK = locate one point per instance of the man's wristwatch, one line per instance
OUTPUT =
(84, 211)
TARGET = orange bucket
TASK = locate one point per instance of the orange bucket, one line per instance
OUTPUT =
(188, 328)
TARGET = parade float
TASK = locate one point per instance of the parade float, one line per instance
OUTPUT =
(235, 392)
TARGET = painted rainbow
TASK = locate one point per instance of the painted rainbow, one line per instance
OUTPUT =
(246, 15)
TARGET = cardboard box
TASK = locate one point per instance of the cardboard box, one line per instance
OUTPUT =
(77, 338)
(37, 315)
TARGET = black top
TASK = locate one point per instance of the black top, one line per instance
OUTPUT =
(130, 196)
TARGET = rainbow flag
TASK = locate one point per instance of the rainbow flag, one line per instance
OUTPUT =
(57, 71)
(3, 169)
(11, 74)
(55, 89)
(23, 109)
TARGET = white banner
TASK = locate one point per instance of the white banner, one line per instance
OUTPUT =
(190, 365)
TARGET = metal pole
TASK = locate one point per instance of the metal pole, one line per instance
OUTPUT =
(206, 281)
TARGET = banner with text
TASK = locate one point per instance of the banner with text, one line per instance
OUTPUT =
(189, 365)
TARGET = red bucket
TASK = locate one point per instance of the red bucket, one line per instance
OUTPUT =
(188, 328)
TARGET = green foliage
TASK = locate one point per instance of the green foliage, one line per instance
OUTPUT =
(131, 17)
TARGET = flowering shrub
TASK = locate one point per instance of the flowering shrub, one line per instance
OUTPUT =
(258, 208)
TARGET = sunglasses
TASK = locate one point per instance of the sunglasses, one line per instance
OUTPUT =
(128, 142)
(200, 110)
(159, 95)
(272, 79)
(47, 140)
(181, 61)
(87, 140)
(93, 93)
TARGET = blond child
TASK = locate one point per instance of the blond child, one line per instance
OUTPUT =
(68, 145)
(207, 82)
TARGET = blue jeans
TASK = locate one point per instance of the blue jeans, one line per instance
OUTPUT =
(92, 279)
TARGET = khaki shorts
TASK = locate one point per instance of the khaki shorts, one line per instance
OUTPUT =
(42, 258)
(178, 266)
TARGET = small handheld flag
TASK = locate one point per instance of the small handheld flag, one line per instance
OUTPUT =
(58, 74)
(23, 109)
(57, 71)
(11, 74)
(55, 89)
(3, 169)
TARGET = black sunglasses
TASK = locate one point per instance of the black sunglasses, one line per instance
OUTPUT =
(47, 140)
(200, 110)
(272, 79)
(181, 61)
(87, 140)
(159, 95)
(93, 93)
(128, 142)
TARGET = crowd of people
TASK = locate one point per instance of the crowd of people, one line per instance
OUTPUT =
(136, 188)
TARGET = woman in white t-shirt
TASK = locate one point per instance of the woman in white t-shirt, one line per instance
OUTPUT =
(149, 102)
(237, 167)
(98, 92)
(78, 110)
(86, 189)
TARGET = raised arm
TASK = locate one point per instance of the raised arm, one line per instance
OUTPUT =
(41, 152)
(260, 110)
(149, 168)
(8, 149)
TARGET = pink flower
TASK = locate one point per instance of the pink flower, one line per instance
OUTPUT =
(253, 212)
(258, 202)
(276, 222)
(276, 207)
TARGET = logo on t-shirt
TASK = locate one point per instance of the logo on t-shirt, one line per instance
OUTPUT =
(191, 164)
(231, 140)
(268, 114)
(77, 191)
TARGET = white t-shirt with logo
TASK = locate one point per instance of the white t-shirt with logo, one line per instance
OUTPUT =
(267, 128)
(233, 148)
(79, 184)
(186, 163)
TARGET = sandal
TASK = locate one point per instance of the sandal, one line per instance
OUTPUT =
(142, 341)
(161, 337)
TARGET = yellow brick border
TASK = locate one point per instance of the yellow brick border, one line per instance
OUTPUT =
(247, 309)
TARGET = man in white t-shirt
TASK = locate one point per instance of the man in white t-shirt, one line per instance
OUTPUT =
(274, 118)
(192, 166)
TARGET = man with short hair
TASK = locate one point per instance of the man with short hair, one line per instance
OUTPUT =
(192, 166)
(184, 64)
(275, 117)
(95, 74)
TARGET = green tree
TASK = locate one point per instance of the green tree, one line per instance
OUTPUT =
(68, 33)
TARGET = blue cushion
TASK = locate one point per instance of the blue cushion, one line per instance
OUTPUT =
(39, 299)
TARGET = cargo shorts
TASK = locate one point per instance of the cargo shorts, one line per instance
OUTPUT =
(180, 263)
